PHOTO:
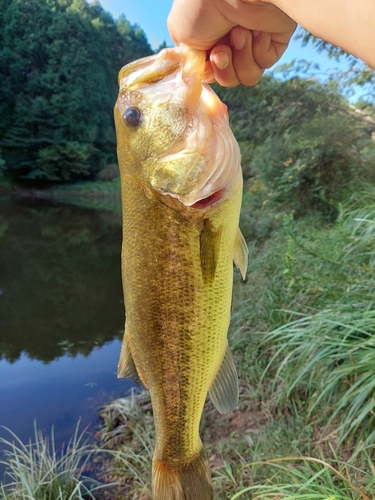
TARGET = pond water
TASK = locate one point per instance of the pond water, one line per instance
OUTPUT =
(61, 316)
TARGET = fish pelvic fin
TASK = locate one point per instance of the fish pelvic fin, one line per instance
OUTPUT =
(190, 481)
(126, 366)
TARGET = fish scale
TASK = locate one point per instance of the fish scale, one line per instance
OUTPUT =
(177, 263)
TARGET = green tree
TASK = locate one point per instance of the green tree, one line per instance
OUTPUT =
(59, 63)
(301, 140)
(357, 74)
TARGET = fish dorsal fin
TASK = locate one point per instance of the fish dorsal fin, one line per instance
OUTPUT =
(210, 240)
(224, 390)
(126, 366)
(241, 252)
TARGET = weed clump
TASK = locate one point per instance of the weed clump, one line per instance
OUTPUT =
(38, 471)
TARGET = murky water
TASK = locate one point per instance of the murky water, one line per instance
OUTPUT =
(61, 315)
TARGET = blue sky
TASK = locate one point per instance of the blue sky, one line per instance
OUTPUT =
(151, 15)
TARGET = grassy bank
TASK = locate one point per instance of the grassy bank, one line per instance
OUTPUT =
(302, 337)
(98, 194)
(89, 189)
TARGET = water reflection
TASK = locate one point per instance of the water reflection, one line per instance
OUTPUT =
(61, 314)
(60, 280)
(58, 393)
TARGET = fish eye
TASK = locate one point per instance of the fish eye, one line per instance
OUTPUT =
(133, 116)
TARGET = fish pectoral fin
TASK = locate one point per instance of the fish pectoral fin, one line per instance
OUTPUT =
(241, 253)
(224, 390)
(126, 366)
(210, 240)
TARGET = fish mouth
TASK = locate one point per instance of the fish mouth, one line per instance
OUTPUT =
(201, 165)
(211, 200)
(189, 64)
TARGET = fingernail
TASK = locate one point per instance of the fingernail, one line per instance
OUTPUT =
(220, 59)
(255, 33)
(238, 39)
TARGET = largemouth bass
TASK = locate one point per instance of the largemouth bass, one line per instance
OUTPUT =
(181, 188)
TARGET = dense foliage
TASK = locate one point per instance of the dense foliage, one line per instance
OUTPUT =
(59, 61)
(357, 72)
(301, 141)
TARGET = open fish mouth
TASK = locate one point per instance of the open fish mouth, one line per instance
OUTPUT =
(203, 158)
(167, 64)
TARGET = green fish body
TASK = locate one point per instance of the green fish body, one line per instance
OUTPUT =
(181, 193)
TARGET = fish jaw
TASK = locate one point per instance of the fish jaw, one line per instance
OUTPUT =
(183, 148)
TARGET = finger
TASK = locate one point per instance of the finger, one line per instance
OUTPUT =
(263, 50)
(248, 71)
(197, 24)
(269, 47)
(222, 66)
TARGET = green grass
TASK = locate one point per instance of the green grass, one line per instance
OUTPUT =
(326, 357)
(128, 436)
(328, 360)
(38, 471)
(99, 194)
(88, 188)
(302, 333)
(308, 478)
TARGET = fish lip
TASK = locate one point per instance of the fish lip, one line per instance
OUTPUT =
(148, 70)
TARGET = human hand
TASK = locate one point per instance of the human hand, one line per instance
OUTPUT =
(242, 37)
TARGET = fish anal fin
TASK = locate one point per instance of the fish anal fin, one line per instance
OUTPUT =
(224, 390)
(241, 252)
(190, 481)
(210, 240)
(126, 366)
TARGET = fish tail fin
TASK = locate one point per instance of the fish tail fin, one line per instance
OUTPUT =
(190, 481)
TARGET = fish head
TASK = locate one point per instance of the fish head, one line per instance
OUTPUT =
(172, 129)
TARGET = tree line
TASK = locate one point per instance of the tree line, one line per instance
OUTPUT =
(304, 139)
(300, 138)
(59, 61)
